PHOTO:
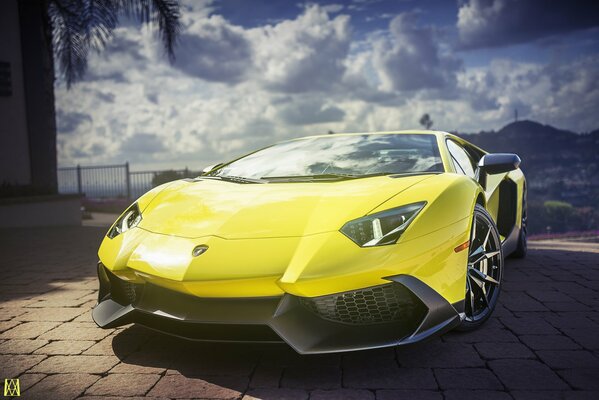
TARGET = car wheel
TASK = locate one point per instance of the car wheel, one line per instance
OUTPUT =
(522, 248)
(484, 270)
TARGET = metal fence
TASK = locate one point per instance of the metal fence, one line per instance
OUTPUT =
(114, 181)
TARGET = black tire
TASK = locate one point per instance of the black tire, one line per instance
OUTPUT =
(484, 270)
(522, 248)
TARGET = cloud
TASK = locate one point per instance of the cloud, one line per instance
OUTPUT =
(143, 144)
(304, 54)
(69, 122)
(490, 23)
(310, 111)
(214, 50)
(410, 58)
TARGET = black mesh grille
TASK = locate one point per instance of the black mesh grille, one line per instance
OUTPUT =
(121, 291)
(374, 305)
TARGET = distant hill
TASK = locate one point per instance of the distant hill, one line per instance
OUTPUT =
(559, 164)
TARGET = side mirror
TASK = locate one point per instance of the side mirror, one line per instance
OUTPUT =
(496, 163)
(210, 168)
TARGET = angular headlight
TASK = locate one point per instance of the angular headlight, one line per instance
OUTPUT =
(381, 228)
(130, 219)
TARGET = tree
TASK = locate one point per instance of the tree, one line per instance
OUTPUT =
(80, 26)
(426, 121)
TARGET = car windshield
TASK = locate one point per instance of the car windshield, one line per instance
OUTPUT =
(338, 157)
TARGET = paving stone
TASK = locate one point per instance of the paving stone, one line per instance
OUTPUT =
(50, 314)
(526, 374)
(439, 354)
(481, 335)
(124, 344)
(266, 376)
(15, 365)
(143, 363)
(181, 387)
(389, 377)
(494, 351)
(76, 331)
(561, 359)
(522, 302)
(75, 364)
(21, 346)
(476, 395)
(27, 380)
(587, 338)
(549, 342)
(571, 321)
(28, 330)
(342, 394)
(312, 378)
(538, 395)
(60, 386)
(7, 325)
(582, 395)
(581, 378)
(548, 295)
(279, 394)
(123, 385)
(529, 326)
(467, 378)
(408, 395)
(59, 347)
(9, 313)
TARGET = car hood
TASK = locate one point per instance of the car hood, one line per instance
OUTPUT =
(207, 207)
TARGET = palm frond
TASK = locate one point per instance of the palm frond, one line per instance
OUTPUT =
(79, 26)
(164, 13)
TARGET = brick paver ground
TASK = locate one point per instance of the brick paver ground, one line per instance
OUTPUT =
(542, 342)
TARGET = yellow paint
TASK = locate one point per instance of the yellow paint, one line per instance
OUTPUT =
(276, 238)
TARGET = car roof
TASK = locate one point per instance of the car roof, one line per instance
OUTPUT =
(404, 132)
(438, 134)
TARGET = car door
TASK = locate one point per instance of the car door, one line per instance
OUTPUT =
(466, 163)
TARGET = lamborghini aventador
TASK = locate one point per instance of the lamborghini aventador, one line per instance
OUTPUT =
(328, 243)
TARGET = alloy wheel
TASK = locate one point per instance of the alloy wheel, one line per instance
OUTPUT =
(485, 264)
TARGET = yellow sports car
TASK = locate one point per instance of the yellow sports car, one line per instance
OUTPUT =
(328, 243)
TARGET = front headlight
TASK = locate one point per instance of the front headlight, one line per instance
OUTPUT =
(130, 219)
(383, 227)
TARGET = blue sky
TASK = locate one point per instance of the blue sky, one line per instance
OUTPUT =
(252, 72)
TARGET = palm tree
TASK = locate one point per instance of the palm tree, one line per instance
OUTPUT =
(80, 26)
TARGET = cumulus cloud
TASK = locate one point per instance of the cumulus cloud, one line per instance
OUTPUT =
(303, 54)
(71, 121)
(489, 23)
(215, 50)
(410, 58)
(310, 111)
(142, 143)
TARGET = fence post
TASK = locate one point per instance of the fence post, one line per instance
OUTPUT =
(79, 188)
(128, 178)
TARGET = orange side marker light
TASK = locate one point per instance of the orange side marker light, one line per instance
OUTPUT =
(461, 247)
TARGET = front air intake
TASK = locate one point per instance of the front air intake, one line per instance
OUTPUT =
(120, 290)
(374, 305)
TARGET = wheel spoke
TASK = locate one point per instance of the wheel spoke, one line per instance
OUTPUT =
(484, 296)
(487, 238)
(476, 256)
(470, 295)
(491, 254)
(481, 277)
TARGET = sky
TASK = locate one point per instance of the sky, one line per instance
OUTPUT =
(249, 73)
